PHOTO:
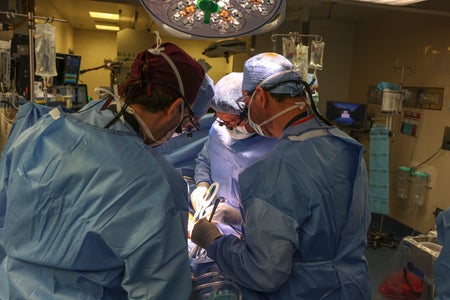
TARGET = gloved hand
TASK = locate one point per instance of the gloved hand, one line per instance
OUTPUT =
(198, 194)
(225, 214)
(204, 233)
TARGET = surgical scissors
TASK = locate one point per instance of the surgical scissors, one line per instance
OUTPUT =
(207, 199)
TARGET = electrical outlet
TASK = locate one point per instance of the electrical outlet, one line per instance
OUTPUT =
(446, 139)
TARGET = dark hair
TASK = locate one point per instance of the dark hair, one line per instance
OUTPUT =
(134, 91)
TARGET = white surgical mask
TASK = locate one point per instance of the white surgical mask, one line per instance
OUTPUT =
(153, 142)
(240, 133)
(258, 127)
(255, 126)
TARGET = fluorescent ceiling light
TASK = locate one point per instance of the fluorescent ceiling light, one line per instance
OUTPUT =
(212, 19)
(101, 15)
(107, 27)
(393, 2)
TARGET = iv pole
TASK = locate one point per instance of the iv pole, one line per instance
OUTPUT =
(31, 22)
(295, 35)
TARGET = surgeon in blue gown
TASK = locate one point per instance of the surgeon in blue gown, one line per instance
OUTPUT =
(442, 266)
(88, 210)
(305, 205)
(231, 147)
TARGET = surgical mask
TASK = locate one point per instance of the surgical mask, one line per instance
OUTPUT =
(152, 140)
(166, 138)
(258, 127)
(240, 133)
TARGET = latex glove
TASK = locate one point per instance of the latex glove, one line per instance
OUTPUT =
(204, 233)
(225, 214)
(198, 194)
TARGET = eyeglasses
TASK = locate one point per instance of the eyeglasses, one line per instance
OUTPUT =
(222, 123)
(242, 104)
(227, 124)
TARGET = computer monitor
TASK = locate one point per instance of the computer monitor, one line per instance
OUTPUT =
(58, 79)
(67, 69)
(71, 69)
(347, 114)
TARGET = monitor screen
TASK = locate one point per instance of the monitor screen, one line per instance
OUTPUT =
(58, 79)
(346, 114)
(67, 69)
(71, 70)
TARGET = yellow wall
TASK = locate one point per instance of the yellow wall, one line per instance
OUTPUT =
(95, 47)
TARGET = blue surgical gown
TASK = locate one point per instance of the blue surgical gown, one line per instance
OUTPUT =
(223, 158)
(89, 212)
(306, 214)
(442, 266)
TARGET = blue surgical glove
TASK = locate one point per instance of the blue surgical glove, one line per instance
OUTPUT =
(204, 233)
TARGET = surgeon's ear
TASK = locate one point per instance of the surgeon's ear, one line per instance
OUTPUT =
(264, 96)
(174, 107)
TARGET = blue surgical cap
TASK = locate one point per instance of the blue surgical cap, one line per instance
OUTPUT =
(227, 90)
(259, 67)
(284, 82)
(205, 95)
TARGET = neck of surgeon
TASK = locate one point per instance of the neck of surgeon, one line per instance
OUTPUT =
(285, 113)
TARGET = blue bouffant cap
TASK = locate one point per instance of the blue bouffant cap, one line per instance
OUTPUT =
(284, 82)
(227, 90)
(204, 97)
(259, 67)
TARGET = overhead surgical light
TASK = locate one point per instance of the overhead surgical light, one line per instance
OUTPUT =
(393, 2)
(205, 19)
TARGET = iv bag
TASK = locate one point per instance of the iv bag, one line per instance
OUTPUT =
(288, 48)
(316, 55)
(300, 61)
(45, 50)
